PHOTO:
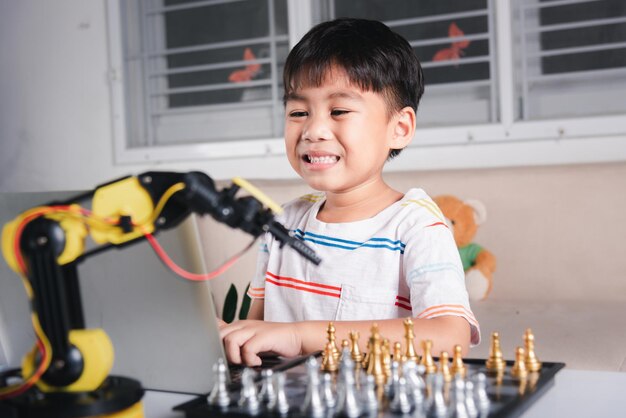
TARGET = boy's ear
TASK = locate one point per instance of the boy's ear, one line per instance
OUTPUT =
(403, 128)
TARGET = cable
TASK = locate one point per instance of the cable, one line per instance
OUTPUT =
(194, 276)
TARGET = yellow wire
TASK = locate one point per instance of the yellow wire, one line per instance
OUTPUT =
(163, 200)
(259, 195)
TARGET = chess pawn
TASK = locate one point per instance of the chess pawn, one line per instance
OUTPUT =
(313, 405)
(375, 358)
(444, 366)
(427, 358)
(519, 367)
(397, 352)
(248, 398)
(480, 393)
(470, 402)
(328, 395)
(409, 336)
(415, 382)
(458, 367)
(460, 406)
(495, 362)
(532, 362)
(400, 401)
(371, 397)
(392, 381)
(438, 406)
(355, 352)
(280, 404)
(267, 394)
(219, 394)
(347, 402)
(331, 340)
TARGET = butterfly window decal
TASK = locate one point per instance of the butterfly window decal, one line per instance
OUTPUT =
(455, 51)
(248, 73)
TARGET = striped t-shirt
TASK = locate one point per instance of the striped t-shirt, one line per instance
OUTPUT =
(402, 262)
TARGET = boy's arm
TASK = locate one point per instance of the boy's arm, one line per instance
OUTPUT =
(243, 340)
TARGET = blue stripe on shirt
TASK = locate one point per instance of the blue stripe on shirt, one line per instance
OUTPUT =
(337, 242)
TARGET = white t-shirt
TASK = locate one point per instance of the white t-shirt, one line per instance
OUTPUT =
(402, 262)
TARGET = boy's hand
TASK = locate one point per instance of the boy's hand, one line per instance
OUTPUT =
(244, 340)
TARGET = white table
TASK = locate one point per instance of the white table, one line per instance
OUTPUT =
(575, 394)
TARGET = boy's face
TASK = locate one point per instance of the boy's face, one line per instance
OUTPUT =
(337, 136)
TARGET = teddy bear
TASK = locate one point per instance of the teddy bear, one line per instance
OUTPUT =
(463, 218)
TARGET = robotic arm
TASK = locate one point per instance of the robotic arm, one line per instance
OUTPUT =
(45, 244)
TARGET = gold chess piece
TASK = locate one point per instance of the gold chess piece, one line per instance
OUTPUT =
(427, 358)
(397, 352)
(375, 357)
(386, 350)
(458, 367)
(355, 352)
(532, 362)
(331, 340)
(329, 362)
(495, 362)
(409, 336)
(444, 366)
(519, 367)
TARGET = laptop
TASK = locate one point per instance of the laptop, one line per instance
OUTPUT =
(163, 328)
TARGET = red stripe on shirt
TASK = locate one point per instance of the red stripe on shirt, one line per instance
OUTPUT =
(291, 279)
(437, 223)
(403, 306)
(403, 299)
(305, 289)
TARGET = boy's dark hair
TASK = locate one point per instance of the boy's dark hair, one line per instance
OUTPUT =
(374, 57)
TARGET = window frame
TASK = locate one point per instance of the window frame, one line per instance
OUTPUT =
(507, 142)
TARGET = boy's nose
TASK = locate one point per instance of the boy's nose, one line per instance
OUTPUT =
(316, 129)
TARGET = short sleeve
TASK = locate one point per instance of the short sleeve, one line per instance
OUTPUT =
(435, 276)
(257, 285)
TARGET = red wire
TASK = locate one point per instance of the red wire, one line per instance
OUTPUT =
(186, 274)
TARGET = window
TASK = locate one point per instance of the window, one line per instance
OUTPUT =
(573, 58)
(202, 79)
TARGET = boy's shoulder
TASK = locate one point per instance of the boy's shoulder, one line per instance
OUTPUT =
(299, 206)
(417, 208)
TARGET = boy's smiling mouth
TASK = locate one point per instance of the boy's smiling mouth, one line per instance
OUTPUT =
(320, 159)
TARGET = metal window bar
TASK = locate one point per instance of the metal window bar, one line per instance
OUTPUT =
(577, 25)
(524, 73)
(146, 39)
(273, 68)
(447, 40)
(436, 18)
(545, 5)
(209, 67)
(213, 107)
(578, 49)
(187, 6)
(219, 45)
(212, 87)
(492, 61)
(460, 61)
(580, 75)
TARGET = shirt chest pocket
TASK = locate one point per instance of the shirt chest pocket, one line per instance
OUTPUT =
(366, 304)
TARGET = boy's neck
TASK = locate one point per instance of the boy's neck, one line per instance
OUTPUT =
(363, 203)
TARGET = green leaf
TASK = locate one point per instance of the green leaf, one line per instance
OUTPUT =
(245, 304)
(230, 305)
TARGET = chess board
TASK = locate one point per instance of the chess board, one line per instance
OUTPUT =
(508, 396)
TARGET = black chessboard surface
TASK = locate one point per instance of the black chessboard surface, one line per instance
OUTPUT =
(509, 396)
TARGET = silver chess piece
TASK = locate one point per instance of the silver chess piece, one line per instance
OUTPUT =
(280, 404)
(219, 394)
(392, 382)
(460, 407)
(267, 394)
(328, 394)
(400, 402)
(371, 398)
(438, 408)
(470, 402)
(347, 402)
(481, 397)
(413, 373)
(248, 398)
(313, 405)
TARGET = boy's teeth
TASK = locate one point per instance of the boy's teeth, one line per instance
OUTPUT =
(326, 159)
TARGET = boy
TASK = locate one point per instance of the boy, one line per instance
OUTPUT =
(352, 88)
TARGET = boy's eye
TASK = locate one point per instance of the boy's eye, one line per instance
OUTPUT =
(298, 114)
(338, 112)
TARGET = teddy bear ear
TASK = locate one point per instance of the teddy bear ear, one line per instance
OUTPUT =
(480, 211)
